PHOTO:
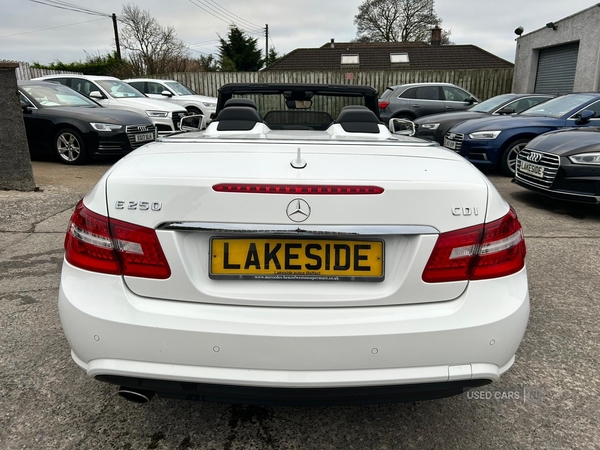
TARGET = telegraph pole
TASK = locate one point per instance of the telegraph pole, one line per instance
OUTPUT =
(266, 45)
(114, 19)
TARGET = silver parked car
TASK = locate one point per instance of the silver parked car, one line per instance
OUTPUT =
(409, 101)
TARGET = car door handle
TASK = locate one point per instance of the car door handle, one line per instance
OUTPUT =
(416, 106)
(449, 107)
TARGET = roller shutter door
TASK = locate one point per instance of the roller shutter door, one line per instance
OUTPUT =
(556, 69)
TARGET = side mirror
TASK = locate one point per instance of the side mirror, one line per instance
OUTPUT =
(402, 127)
(506, 110)
(585, 117)
(25, 107)
(166, 93)
(97, 95)
(470, 101)
(195, 122)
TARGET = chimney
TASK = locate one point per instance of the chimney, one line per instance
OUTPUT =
(332, 43)
(436, 36)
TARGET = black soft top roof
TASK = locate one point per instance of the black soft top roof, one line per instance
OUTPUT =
(300, 90)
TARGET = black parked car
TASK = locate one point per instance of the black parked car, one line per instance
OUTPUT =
(563, 164)
(434, 127)
(74, 128)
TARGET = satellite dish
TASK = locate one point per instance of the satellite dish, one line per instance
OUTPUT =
(519, 31)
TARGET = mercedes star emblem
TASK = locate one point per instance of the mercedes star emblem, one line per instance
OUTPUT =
(298, 210)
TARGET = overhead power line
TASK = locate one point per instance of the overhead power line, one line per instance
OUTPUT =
(70, 7)
(224, 18)
(61, 4)
(234, 15)
(51, 28)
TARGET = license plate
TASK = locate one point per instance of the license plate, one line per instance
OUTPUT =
(144, 137)
(531, 169)
(296, 259)
(449, 144)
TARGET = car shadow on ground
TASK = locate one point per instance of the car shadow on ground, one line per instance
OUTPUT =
(102, 161)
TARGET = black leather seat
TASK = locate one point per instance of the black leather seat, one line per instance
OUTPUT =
(358, 119)
(240, 102)
(237, 118)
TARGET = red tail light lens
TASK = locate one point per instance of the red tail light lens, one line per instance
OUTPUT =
(297, 189)
(503, 249)
(481, 252)
(88, 244)
(100, 244)
(383, 105)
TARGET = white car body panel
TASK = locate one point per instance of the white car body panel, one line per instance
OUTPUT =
(194, 328)
(186, 172)
(291, 347)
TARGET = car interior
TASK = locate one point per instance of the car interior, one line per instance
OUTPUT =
(240, 114)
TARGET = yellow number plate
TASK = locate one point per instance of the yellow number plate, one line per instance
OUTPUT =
(297, 259)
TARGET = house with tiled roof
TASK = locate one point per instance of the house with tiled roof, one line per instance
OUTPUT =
(382, 64)
(388, 56)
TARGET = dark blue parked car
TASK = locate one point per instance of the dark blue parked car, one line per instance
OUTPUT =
(496, 141)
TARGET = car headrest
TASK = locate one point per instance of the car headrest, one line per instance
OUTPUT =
(237, 118)
(361, 107)
(357, 119)
(240, 102)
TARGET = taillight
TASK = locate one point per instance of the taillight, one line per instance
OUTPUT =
(491, 250)
(383, 105)
(100, 244)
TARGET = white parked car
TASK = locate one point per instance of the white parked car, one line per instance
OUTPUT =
(177, 93)
(114, 93)
(282, 256)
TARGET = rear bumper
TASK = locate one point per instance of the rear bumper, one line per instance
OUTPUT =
(115, 333)
(290, 396)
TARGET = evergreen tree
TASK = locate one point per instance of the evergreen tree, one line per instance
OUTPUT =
(239, 53)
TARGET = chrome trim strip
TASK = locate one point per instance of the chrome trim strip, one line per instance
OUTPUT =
(362, 230)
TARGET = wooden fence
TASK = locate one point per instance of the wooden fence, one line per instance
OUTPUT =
(26, 72)
(483, 83)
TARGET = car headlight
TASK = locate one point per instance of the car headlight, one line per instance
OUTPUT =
(106, 126)
(586, 158)
(209, 104)
(484, 135)
(152, 113)
(429, 126)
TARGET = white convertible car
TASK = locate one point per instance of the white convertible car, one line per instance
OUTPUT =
(295, 251)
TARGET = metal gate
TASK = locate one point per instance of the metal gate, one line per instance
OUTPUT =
(556, 69)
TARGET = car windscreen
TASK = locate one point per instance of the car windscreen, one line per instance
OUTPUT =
(120, 89)
(179, 89)
(492, 103)
(559, 106)
(52, 96)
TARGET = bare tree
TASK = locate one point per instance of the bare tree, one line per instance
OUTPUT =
(397, 21)
(152, 48)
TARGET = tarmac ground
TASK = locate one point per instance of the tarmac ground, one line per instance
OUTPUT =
(550, 399)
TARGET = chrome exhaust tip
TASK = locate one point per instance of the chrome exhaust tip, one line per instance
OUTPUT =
(135, 395)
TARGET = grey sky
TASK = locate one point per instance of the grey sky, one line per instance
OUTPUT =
(292, 24)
